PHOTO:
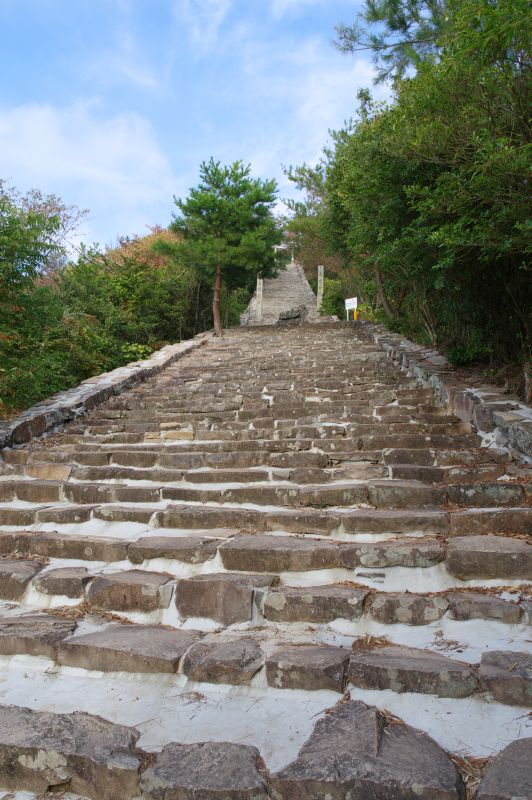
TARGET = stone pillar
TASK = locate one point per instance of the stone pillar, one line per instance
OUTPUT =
(258, 298)
(319, 296)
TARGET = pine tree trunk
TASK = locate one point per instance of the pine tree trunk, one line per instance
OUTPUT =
(384, 301)
(216, 302)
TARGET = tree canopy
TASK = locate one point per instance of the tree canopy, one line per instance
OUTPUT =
(400, 33)
(426, 198)
(228, 228)
(65, 318)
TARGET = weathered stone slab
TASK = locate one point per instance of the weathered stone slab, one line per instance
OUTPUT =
(63, 515)
(341, 495)
(233, 661)
(14, 515)
(509, 776)
(284, 553)
(485, 495)
(41, 751)
(131, 590)
(301, 521)
(398, 553)
(52, 544)
(421, 458)
(308, 667)
(225, 597)
(407, 609)
(491, 520)
(402, 494)
(405, 669)
(33, 634)
(489, 557)
(397, 521)
(354, 753)
(15, 576)
(206, 517)
(508, 676)
(475, 605)
(190, 549)
(206, 771)
(128, 648)
(67, 581)
(48, 471)
(124, 514)
(38, 491)
(412, 472)
(312, 603)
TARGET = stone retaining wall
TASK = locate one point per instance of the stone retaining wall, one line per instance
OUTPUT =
(72, 403)
(499, 417)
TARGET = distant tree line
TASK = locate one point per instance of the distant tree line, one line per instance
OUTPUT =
(65, 319)
(421, 206)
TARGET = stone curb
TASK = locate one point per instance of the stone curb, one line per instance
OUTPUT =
(500, 418)
(72, 403)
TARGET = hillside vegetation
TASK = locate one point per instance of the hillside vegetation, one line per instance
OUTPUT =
(63, 320)
(420, 206)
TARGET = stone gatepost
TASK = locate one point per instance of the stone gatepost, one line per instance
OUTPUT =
(260, 284)
(319, 296)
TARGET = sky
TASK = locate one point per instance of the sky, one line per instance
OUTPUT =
(113, 104)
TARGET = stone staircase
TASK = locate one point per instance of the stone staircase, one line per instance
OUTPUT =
(289, 290)
(279, 569)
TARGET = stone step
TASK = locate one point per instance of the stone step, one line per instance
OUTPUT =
(41, 752)
(507, 676)
(219, 659)
(201, 475)
(404, 669)
(225, 597)
(378, 493)
(288, 553)
(484, 557)
(142, 590)
(55, 544)
(376, 753)
(127, 648)
(250, 529)
(509, 774)
(132, 590)
(34, 634)
(233, 661)
(307, 666)
(15, 575)
(356, 750)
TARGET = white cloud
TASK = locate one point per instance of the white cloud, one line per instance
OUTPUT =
(203, 20)
(112, 165)
(314, 88)
(123, 64)
(281, 7)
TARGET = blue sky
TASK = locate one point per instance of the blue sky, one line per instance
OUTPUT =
(113, 104)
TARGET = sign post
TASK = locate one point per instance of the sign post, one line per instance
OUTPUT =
(319, 297)
(260, 284)
(351, 305)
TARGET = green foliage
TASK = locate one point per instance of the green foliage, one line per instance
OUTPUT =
(135, 352)
(227, 220)
(62, 322)
(228, 228)
(426, 198)
(306, 226)
(400, 34)
(333, 298)
(232, 304)
(59, 326)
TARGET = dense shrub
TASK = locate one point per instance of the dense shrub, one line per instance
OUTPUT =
(426, 198)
